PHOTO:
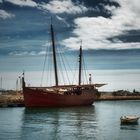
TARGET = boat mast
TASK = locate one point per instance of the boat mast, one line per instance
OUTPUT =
(1, 84)
(23, 81)
(54, 55)
(80, 65)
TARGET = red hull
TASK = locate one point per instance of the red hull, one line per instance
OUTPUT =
(40, 98)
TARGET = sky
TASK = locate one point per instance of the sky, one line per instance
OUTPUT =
(100, 24)
(109, 31)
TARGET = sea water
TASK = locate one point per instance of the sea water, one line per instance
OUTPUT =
(98, 122)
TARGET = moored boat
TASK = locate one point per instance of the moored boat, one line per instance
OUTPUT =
(60, 95)
(131, 119)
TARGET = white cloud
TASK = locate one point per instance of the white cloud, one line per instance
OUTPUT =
(63, 20)
(21, 3)
(42, 53)
(16, 53)
(27, 53)
(5, 15)
(32, 53)
(64, 6)
(94, 31)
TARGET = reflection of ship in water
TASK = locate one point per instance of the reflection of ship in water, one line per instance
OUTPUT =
(60, 95)
(57, 123)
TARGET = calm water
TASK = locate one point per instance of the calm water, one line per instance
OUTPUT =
(98, 122)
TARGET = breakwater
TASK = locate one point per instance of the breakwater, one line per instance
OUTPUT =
(11, 99)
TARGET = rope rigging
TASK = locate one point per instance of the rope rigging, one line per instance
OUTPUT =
(85, 71)
(59, 62)
(63, 72)
(44, 64)
(48, 61)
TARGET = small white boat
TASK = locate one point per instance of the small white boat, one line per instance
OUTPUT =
(131, 119)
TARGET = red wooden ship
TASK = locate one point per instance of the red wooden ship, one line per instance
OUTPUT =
(60, 95)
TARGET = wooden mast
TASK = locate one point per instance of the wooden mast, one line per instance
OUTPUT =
(1, 83)
(80, 65)
(54, 56)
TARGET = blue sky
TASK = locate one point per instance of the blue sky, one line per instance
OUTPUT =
(109, 30)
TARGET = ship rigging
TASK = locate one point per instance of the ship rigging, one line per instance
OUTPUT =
(60, 95)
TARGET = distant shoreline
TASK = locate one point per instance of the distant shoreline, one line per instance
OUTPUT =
(118, 95)
(113, 98)
(12, 98)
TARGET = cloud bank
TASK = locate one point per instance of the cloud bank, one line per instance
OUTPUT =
(21, 3)
(64, 6)
(54, 6)
(26, 53)
(5, 15)
(96, 31)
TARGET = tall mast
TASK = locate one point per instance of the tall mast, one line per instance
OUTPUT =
(1, 83)
(80, 65)
(54, 56)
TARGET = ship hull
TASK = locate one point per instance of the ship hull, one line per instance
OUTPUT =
(40, 98)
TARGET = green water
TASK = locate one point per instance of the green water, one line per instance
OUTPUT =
(97, 122)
